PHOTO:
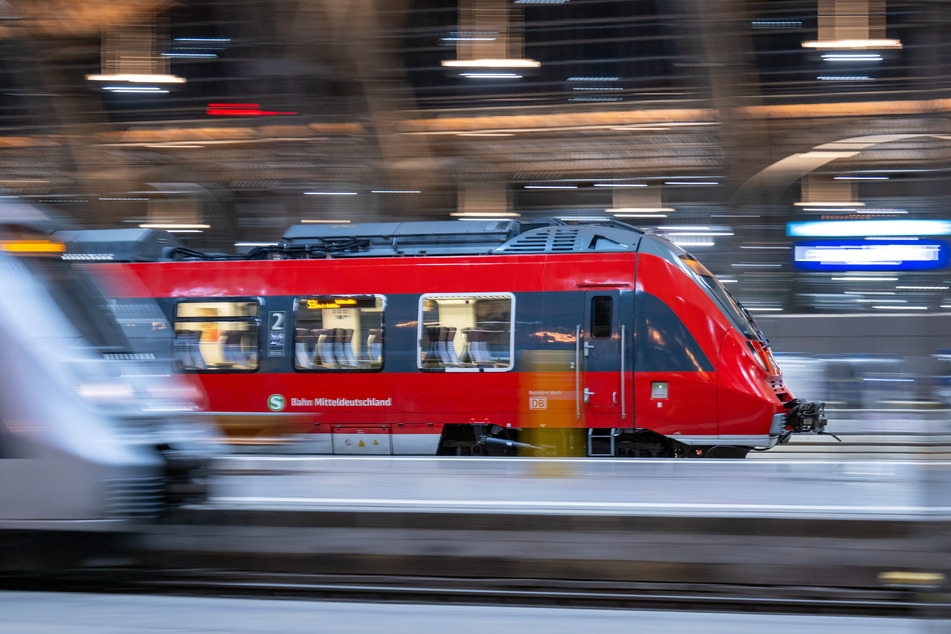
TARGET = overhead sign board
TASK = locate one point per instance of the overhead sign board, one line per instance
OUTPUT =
(871, 255)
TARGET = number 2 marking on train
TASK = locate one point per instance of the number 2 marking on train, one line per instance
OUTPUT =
(277, 320)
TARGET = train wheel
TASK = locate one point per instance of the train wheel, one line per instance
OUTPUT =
(644, 444)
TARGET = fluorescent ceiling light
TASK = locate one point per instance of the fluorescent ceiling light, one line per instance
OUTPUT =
(752, 265)
(173, 225)
(870, 293)
(853, 44)
(699, 233)
(135, 88)
(491, 75)
(491, 63)
(639, 210)
(138, 78)
(829, 204)
(852, 57)
(485, 214)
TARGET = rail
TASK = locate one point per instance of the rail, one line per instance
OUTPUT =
(904, 602)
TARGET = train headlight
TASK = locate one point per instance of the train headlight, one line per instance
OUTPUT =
(756, 355)
(103, 393)
(170, 394)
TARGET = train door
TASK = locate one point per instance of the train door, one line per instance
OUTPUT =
(601, 364)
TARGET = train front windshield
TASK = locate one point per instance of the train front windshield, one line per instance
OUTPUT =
(80, 300)
(730, 305)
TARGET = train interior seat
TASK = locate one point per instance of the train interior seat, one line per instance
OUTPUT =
(343, 348)
(323, 348)
(238, 351)
(302, 341)
(374, 349)
(478, 348)
(445, 341)
(431, 356)
(193, 358)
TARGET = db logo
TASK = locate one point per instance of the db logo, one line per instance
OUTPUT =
(275, 402)
(537, 402)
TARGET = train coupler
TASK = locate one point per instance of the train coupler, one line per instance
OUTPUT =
(806, 417)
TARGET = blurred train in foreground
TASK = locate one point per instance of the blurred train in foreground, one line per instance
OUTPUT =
(466, 338)
(88, 440)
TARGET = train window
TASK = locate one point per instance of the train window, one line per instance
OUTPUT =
(81, 300)
(217, 336)
(338, 332)
(601, 316)
(466, 333)
(731, 307)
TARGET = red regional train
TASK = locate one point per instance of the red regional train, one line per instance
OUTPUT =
(464, 338)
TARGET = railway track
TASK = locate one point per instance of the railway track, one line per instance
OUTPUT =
(862, 446)
(908, 602)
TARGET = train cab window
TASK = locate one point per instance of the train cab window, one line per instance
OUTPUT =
(219, 336)
(339, 332)
(601, 316)
(729, 304)
(466, 333)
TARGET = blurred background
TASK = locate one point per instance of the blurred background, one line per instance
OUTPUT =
(799, 148)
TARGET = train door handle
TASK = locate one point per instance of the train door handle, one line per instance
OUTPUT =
(587, 395)
(587, 346)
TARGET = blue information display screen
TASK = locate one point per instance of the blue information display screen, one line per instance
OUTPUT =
(871, 255)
